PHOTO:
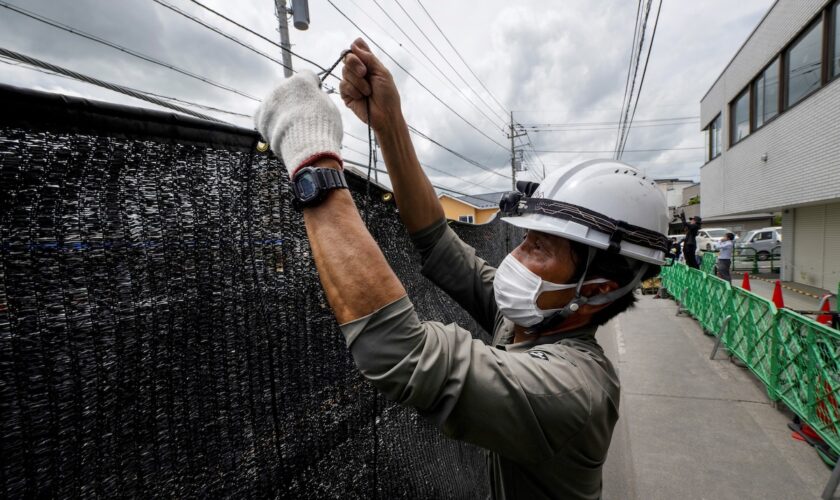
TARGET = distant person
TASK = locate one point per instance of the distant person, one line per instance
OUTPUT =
(690, 242)
(724, 262)
(676, 250)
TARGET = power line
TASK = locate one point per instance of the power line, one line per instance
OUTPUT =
(137, 94)
(570, 129)
(126, 50)
(5, 60)
(459, 155)
(423, 53)
(461, 57)
(626, 107)
(249, 30)
(415, 78)
(220, 32)
(445, 59)
(629, 65)
(612, 150)
(648, 120)
(642, 81)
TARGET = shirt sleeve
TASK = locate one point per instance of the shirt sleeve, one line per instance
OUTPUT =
(522, 406)
(453, 266)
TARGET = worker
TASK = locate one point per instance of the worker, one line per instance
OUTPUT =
(690, 242)
(542, 397)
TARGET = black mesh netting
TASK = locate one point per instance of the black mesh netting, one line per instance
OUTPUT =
(163, 332)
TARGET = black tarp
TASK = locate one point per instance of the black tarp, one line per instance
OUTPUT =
(163, 331)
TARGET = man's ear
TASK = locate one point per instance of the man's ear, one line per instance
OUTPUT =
(593, 289)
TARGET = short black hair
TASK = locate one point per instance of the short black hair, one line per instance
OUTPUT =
(613, 267)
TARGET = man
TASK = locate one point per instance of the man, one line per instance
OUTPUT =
(724, 261)
(690, 242)
(543, 399)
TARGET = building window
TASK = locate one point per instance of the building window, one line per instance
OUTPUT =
(740, 111)
(835, 50)
(804, 65)
(465, 218)
(713, 135)
(766, 92)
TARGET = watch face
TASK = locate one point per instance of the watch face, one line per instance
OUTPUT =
(306, 186)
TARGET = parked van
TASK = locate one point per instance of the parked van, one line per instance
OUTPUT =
(763, 241)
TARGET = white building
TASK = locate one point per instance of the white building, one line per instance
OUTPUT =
(673, 191)
(772, 122)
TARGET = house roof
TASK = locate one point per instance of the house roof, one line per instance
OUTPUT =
(481, 201)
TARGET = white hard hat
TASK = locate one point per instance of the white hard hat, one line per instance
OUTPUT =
(605, 204)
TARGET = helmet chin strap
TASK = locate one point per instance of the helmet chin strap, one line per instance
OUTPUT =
(559, 317)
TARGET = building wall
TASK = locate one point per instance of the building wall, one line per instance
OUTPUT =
(816, 246)
(454, 208)
(485, 215)
(802, 144)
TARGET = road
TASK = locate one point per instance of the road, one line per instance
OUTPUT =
(694, 428)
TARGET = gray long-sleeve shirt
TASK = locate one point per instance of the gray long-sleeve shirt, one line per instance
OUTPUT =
(544, 409)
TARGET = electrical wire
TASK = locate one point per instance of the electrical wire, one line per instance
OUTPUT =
(258, 35)
(505, 111)
(626, 108)
(586, 124)
(629, 67)
(126, 50)
(611, 150)
(445, 76)
(220, 32)
(459, 155)
(642, 81)
(101, 83)
(435, 96)
(5, 60)
(445, 59)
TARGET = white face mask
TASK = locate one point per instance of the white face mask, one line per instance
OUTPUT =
(517, 290)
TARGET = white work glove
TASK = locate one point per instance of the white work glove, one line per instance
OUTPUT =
(300, 123)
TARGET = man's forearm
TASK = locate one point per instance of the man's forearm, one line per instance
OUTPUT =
(419, 205)
(355, 275)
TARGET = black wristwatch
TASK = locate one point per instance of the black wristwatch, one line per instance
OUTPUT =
(311, 185)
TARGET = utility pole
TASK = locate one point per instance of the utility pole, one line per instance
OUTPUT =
(283, 19)
(513, 135)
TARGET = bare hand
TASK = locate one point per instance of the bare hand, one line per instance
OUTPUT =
(365, 77)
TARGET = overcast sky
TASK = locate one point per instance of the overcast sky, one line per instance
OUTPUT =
(561, 61)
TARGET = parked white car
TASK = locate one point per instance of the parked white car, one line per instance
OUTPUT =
(709, 238)
(763, 241)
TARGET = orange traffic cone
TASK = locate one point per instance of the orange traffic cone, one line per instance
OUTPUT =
(777, 296)
(825, 318)
(746, 283)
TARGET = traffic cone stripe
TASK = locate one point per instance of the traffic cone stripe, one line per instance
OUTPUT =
(778, 300)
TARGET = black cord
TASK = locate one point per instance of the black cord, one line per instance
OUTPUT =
(326, 73)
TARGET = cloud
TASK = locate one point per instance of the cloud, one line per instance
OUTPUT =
(549, 62)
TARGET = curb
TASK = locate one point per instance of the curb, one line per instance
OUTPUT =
(786, 287)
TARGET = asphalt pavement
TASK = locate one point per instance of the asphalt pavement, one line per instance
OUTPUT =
(695, 428)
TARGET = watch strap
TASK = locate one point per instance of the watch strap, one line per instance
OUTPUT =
(331, 178)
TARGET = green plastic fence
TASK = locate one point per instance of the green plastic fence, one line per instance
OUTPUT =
(797, 358)
(707, 263)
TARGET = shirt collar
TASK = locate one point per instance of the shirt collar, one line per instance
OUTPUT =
(505, 338)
